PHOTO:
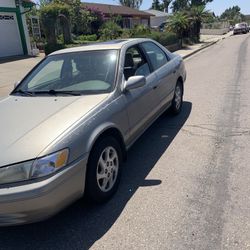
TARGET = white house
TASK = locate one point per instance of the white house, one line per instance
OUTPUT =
(158, 17)
(14, 36)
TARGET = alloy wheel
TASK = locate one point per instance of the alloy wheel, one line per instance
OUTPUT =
(107, 169)
(178, 97)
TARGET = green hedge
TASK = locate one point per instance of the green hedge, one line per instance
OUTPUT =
(87, 37)
(164, 38)
(111, 31)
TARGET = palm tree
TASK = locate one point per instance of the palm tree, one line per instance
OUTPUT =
(178, 23)
(196, 15)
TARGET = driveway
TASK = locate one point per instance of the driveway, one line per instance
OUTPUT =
(12, 71)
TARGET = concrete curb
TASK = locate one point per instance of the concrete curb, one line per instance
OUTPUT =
(198, 50)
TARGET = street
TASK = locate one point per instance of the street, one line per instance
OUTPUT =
(185, 184)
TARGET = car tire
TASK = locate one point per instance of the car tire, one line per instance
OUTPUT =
(103, 170)
(177, 101)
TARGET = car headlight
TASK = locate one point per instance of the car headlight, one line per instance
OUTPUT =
(34, 169)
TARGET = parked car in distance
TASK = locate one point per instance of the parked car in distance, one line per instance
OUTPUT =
(67, 126)
(240, 28)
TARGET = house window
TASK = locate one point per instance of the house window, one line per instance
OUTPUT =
(144, 22)
(136, 21)
(35, 26)
(126, 23)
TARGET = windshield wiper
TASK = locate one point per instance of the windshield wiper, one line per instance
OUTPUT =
(20, 91)
(58, 92)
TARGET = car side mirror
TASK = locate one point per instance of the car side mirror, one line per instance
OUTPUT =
(134, 82)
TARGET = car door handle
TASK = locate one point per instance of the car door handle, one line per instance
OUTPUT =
(155, 87)
(174, 71)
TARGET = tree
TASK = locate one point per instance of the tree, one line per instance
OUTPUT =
(135, 4)
(97, 19)
(178, 23)
(197, 14)
(156, 5)
(200, 2)
(44, 2)
(179, 5)
(165, 4)
(232, 14)
(50, 14)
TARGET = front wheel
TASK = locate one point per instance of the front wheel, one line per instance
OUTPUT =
(178, 99)
(103, 170)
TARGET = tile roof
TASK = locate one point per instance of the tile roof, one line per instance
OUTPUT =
(109, 9)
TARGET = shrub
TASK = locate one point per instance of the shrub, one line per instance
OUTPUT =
(96, 19)
(110, 30)
(155, 35)
(87, 37)
(140, 30)
(126, 33)
(49, 48)
(167, 38)
(164, 38)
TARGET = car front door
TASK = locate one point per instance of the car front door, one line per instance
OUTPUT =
(142, 101)
(165, 71)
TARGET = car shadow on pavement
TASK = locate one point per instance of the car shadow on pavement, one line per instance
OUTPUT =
(82, 224)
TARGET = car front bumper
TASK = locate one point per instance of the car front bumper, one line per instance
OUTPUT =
(39, 200)
(239, 31)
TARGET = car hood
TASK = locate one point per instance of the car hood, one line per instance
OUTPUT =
(29, 124)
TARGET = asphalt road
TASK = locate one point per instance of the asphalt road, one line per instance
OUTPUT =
(186, 184)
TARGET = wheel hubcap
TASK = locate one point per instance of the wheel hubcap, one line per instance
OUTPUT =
(178, 97)
(107, 169)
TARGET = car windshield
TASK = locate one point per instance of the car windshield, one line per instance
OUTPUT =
(239, 25)
(88, 72)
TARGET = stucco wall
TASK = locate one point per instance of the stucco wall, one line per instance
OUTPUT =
(155, 21)
(214, 31)
(7, 3)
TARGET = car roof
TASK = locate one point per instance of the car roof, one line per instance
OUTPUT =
(113, 44)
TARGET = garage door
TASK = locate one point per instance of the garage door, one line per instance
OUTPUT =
(10, 41)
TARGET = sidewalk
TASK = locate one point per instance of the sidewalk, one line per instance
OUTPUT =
(206, 41)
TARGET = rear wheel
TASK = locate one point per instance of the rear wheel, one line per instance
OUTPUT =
(103, 170)
(178, 99)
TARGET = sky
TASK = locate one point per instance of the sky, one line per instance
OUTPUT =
(217, 6)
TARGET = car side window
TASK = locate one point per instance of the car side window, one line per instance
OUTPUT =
(135, 64)
(156, 55)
